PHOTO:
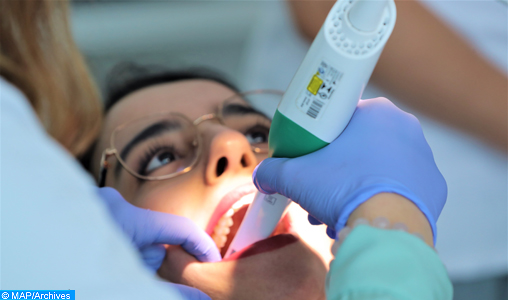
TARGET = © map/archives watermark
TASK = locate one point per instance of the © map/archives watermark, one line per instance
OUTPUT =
(38, 294)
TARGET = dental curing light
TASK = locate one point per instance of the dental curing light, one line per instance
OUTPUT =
(321, 98)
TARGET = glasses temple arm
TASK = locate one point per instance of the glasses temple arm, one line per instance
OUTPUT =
(103, 168)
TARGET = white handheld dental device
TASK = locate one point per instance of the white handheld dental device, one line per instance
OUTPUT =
(321, 98)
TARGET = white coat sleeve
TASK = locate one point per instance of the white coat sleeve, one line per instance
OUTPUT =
(55, 232)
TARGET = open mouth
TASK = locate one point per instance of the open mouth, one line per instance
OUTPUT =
(229, 214)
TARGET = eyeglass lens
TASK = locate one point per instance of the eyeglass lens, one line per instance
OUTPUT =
(160, 145)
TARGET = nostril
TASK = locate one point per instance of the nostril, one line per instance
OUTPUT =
(243, 161)
(222, 164)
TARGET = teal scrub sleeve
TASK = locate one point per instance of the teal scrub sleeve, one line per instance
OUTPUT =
(384, 264)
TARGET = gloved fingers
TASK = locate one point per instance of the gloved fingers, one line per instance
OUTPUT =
(153, 256)
(148, 228)
(111, 197)
(188, 292)
(267, 175)
(151, 227)
(313, 220)
(331, 232)
(178, 230)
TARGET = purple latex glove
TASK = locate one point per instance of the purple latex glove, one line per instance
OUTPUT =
(381, 150)
(150, 230)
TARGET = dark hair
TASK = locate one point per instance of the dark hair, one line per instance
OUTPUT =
(126, 78)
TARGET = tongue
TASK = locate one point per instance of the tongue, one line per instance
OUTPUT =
(269, 244)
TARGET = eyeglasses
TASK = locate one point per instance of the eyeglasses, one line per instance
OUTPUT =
(168, 144)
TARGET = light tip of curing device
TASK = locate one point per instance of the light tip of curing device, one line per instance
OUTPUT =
(365, 15)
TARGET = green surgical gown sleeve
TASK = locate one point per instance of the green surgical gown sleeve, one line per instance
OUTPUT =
(383, 264)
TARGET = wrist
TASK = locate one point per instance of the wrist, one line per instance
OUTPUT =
(396, 209)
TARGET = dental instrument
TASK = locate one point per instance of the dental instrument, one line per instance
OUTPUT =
(321, 98)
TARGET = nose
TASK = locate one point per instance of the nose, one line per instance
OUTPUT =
(229, 154)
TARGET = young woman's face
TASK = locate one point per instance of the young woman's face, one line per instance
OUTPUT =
(288, 266)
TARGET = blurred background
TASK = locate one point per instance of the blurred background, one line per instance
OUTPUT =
(257, 44)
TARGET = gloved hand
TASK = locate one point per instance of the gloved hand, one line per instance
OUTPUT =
(381, 150)
(150, 230)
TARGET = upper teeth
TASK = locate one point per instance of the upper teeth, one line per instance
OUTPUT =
(229, 213)
(222, 228)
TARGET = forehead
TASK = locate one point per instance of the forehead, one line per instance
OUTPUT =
(192, 98)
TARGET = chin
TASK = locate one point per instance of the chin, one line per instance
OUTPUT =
(282, 266)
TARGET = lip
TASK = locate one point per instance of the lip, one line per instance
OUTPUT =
(226, 202)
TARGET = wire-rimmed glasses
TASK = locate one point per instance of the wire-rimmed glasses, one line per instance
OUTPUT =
(167, 144)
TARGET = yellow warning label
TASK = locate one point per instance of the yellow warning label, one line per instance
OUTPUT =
(315, 84)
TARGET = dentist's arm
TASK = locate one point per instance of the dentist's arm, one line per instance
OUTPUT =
(373, 263)
(380, 166)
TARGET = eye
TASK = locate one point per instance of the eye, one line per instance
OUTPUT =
(160, 159)
(257, 135)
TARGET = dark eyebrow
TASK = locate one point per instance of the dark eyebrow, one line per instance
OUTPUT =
(236, 109)
(149, 132)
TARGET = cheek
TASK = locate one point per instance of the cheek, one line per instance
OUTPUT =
(313, 235)
(260, 157)
(184, 196)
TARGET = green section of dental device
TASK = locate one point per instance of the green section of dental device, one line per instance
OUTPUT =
(288, 139)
